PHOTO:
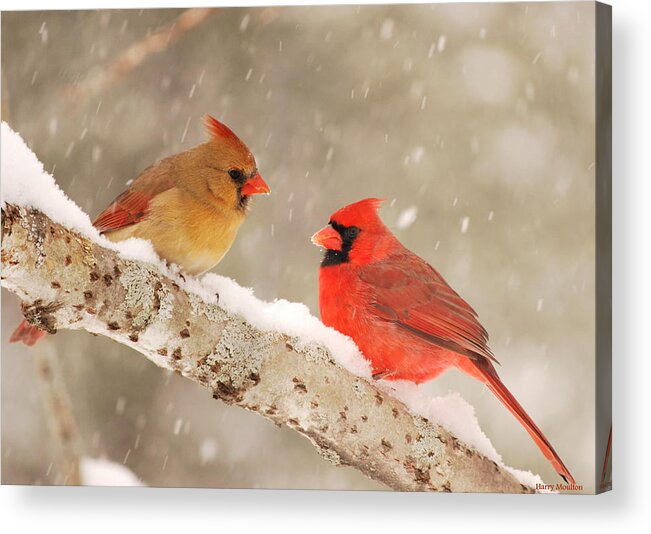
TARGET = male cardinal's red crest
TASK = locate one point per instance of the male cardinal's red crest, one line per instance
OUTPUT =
(405, 318)
(190, 205)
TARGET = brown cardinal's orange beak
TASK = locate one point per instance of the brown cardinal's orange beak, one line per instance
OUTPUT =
(255, 186)
(327, 238)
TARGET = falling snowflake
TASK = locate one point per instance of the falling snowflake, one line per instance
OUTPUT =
(386, 31)
(464, 224)
(417, 154)
(245, 22)
(208, 450)
(120, 405)
(407, 217)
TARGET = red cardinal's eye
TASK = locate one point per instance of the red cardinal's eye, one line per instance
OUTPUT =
(352, 232)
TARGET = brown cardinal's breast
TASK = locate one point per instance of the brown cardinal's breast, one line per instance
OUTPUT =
(185, 232)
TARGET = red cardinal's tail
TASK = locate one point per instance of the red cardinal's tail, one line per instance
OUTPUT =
(27, 333)
(490, 378)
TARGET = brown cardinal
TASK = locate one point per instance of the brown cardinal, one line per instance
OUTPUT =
(189, 206)
(406, 320)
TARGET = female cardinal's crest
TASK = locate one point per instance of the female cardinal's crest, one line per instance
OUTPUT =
(362, 214)
(219, 131)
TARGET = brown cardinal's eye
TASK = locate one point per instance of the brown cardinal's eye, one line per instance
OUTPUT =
(236, 174)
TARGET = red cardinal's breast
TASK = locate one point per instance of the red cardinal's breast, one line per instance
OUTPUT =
(347, 304)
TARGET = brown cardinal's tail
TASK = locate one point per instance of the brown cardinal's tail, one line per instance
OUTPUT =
(489, 376)
(27, 333)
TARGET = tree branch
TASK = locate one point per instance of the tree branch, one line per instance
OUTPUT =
(59, 414)
(68, 281)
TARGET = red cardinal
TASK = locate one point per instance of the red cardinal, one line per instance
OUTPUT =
(407, 321)
(189, 206)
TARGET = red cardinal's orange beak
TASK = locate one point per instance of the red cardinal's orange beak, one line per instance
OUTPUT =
(255, 186)
(327, 238)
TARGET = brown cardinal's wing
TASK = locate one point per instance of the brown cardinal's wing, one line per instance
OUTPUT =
(410, 293)
(132, 205)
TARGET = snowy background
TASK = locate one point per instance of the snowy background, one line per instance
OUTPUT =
(475, 121)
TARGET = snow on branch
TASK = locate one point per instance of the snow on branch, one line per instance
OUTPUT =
(275, 359)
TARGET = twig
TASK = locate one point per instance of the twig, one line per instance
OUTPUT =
(137, 53)
(59, 415)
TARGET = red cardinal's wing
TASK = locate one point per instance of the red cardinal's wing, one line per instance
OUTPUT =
(131, 206)
(410, 293)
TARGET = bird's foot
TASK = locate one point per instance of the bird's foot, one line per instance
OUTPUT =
(381, 375)
(173, 267)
